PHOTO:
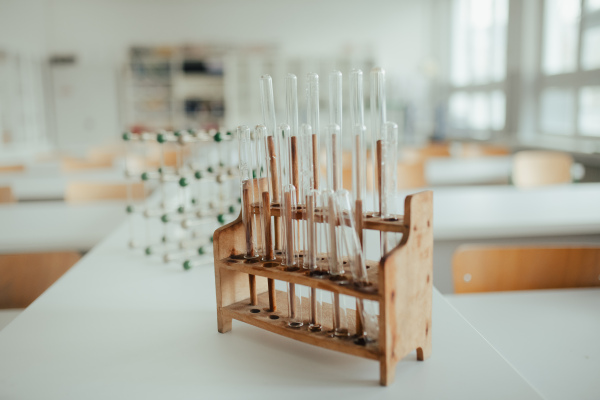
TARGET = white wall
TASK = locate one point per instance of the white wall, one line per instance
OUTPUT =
(99, 32)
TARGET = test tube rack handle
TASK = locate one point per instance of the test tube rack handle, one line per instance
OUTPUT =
(402, 284)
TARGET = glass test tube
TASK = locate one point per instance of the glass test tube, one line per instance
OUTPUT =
(334, 154)
(378, 118)
(283, 133)
(388, 170)
(367, 316)
(357, 111)
(294, 301)
(336, 267)
(306, 181)
(262, 175)
(247, 188)
(310, 259)
(334, 175)
(335, 98)
(312, 119)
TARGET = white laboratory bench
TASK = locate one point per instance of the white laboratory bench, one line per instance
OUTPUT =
(56, 225)
(49, 183)
(549, 336)
(504, 215)
(119, 325)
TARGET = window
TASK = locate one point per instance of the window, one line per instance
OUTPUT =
(569, 95)
(478, 67)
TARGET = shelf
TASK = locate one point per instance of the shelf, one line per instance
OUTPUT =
(301, 277)
(260, 317)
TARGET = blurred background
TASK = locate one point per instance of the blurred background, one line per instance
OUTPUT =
(498, 103)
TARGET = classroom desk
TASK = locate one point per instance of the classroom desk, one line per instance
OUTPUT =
(50, 183)
(505, 215)
(55, 225)
(549, 336)
(120, 325)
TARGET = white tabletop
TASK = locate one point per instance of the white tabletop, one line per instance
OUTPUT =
(468, 171)
(55, 225)
(550, 336)
(48, 182)
(119, 325)
(469, 212)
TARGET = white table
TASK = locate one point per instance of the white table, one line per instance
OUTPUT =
(505, 215)
(119, 325)
(550, 336)
(54, 226)
(49, 183)
(441, 171)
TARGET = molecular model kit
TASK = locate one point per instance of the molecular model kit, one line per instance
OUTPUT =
(193, 180)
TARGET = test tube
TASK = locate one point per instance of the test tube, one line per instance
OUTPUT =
(387, 147)
(350, 237)
(306, 181)
(262, 174)
(288, 207)
(335, 98)
(378, 118)
(310, 259)
(268, 112)
(366, 321)
(284, 135)
(357, 111)
(359, 187)
(312, 119)
(268, 103)
(336, 267)
(291, 102)
(334, 173)
(247, 188)
(334, 153)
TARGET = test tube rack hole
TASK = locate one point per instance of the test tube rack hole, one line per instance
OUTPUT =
(402, 285)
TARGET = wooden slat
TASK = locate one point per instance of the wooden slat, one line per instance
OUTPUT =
(241, 312)
(6, 195)
(488, 268)
(23, 277)
(12, 168)
(393, 224)
(300, 277)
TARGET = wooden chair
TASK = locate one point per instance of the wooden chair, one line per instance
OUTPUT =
(23, 277)
(106, 153)
(71, 164)
(6, 195)
(539, 168)
(487, 268)
(78, 192)
(468, 150)
(12, 168)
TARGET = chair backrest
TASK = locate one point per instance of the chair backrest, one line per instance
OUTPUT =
(70, 164)
(488, 269)
(12, 168)
(469, 149)
(6, 195)
(23, 277)
(93, 191)
(540, 168)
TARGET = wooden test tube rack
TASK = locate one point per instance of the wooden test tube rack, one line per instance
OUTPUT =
(402, 284)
